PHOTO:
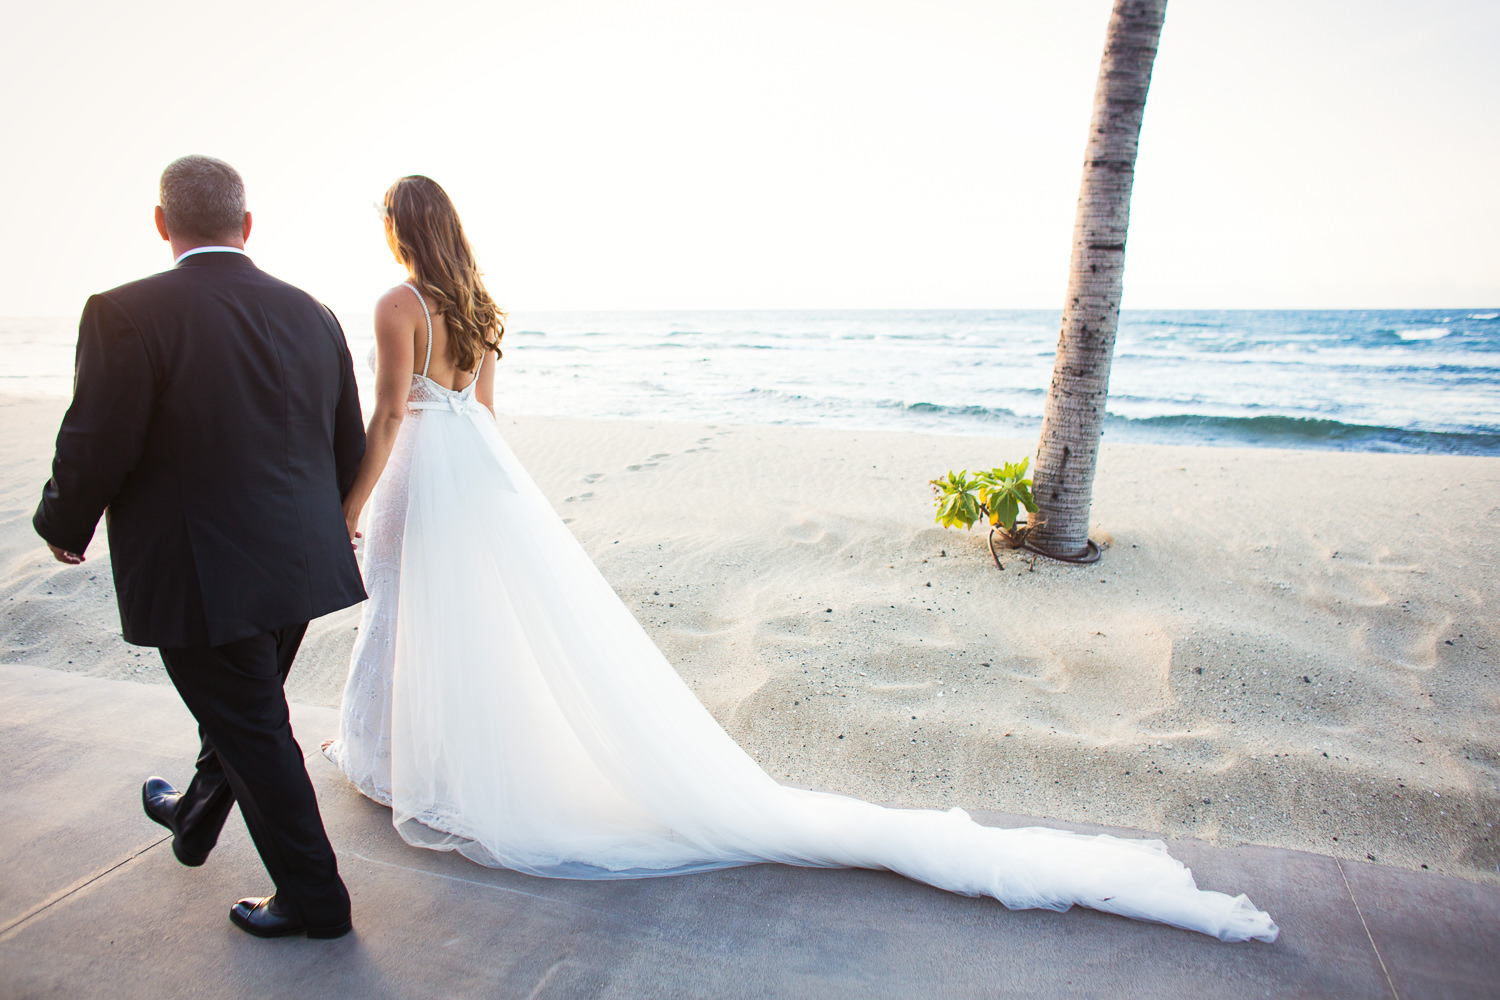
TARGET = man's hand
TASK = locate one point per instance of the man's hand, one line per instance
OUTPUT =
(64, 556)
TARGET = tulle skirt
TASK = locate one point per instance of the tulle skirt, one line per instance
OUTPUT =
(506, 704)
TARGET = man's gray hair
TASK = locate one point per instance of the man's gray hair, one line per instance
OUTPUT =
(203, 198)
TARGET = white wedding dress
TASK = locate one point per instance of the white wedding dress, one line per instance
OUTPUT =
(506, 704)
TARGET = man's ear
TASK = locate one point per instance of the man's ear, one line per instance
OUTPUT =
(161, 223)
(248, 220)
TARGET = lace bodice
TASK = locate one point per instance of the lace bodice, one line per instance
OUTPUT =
(425, 390)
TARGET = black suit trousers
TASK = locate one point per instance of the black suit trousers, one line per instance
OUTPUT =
(236, 692)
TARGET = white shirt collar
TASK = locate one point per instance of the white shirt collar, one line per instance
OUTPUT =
(189, 253)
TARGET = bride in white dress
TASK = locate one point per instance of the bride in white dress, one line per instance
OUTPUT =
(505, 703)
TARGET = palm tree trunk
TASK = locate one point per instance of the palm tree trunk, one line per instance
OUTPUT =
(1074, 420)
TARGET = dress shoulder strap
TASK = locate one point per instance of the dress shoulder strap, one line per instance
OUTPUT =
(428, 362)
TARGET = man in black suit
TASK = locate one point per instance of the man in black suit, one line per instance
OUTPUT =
(216, 424)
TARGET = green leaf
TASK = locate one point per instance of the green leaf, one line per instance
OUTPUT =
(1007, 511)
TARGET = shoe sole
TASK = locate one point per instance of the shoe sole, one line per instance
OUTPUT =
(329, 933)
(190, 860)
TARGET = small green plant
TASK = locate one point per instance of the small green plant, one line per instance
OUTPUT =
(957, 500)
(1004, 490)
(998, 494)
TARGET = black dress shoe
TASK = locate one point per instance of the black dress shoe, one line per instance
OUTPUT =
(159, 799)
(262, 918)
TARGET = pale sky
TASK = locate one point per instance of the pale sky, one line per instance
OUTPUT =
(768, 154)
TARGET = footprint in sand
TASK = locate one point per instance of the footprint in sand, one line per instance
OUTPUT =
(593, 477)
(649, 463)
(582, 496)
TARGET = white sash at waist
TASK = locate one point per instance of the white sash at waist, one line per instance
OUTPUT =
(460, 405)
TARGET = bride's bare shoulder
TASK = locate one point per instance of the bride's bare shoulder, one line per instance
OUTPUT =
(398, 299)
(397, 310)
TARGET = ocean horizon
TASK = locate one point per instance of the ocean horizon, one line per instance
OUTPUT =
(1419, 381)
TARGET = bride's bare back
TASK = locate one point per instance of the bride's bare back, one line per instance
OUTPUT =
(399, 317)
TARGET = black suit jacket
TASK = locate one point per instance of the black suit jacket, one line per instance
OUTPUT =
(216, 421)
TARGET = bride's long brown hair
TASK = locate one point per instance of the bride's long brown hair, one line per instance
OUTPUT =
(429, 239)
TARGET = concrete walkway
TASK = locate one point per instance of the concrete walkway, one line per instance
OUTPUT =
(92, 904)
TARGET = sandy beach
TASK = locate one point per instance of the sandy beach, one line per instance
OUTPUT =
(1285, 648)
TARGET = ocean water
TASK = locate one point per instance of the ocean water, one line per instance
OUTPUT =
(1386, 380)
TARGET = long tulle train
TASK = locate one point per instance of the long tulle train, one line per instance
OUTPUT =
(535, 726)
